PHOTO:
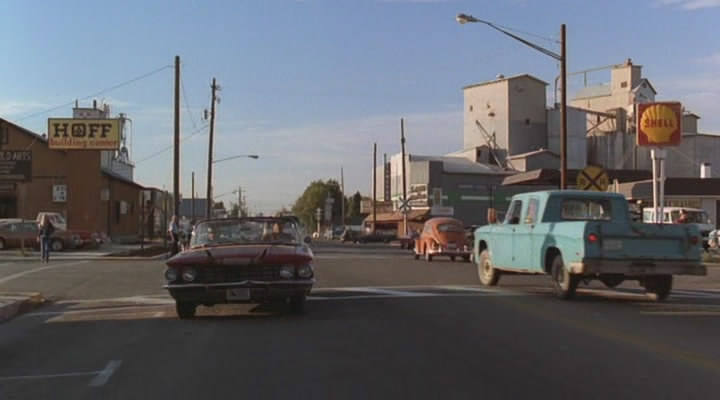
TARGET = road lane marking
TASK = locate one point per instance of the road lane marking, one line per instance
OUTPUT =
(47, 376)
(45, 268)
(388, 292)
(101, 377)
(105, 374)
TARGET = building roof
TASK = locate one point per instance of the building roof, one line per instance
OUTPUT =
(460, 165)
(507, 78)
(113, 175)
(590, 92)
(24, 130)
(646, 81)
(551, 177)
(200, 207)
(533, 153)
(691, 114)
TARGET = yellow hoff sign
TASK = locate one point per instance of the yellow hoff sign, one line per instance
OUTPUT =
(83, 134)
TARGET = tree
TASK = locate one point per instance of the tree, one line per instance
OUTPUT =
(234, 210)
(314, 197)
(353, 208)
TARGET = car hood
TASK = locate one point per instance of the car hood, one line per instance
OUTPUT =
(244, 255)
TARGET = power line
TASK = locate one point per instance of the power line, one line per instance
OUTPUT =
(119, 85)
(187, 106)
(157, 153)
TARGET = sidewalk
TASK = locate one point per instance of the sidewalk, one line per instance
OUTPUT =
(12, 304)
(108, 251)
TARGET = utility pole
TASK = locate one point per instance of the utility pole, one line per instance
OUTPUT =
(404, 187)
(240, 202)
(374, 191)
(563, 110)
(192, 201)
(342, 196)
(214, 88)
(176, 156)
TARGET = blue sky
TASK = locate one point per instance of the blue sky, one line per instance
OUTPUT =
(310, 85)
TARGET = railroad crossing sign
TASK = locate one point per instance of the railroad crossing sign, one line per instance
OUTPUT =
(405, 207)
(593, 178)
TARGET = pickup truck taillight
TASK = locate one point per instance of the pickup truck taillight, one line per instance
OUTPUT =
(592, 238)
(694, 240)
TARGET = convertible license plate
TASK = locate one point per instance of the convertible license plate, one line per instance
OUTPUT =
(238, 294)
(612, 244)
(452, 245)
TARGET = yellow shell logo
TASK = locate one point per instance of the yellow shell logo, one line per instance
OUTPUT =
(658, 123)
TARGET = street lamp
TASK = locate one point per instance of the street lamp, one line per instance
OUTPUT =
(253, 156)
(562, 57)
(209, 182)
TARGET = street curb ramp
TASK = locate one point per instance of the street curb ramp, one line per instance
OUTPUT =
(12, 304)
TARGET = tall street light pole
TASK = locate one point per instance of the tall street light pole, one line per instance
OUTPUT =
(210, 164)
(562, 57)
(176, 142)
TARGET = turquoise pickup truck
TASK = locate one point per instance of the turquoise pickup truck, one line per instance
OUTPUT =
(577, 236)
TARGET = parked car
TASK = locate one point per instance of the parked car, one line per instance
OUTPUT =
(577, 236)
(375, 237)
(13, 234)
(695, 216)
(55, 218)
(242, 260)
(442, 236)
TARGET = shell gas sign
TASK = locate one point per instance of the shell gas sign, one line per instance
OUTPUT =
(659, 124)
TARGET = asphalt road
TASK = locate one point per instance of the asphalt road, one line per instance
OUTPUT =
(379, 325)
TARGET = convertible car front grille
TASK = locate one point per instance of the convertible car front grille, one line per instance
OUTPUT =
(238, 273)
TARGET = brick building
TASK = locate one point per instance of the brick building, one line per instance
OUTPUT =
(73, 183)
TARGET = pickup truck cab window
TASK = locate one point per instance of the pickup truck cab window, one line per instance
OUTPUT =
(586, 209)
(513, 215)
(532, 211)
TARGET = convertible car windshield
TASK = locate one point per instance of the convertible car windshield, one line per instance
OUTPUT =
(239, 231)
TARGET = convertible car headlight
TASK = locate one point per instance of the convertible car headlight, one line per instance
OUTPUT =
(305, 271)
(287, 271)
(171, 274)
(189, 274)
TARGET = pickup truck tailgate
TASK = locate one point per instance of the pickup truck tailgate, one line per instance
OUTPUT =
(644, 241)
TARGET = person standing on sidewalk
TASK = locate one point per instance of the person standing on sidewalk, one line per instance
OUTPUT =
(174, 232)
(45, 230)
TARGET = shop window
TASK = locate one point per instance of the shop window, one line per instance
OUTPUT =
(623, 84)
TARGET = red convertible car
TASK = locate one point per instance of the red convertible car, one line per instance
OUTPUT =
(242, 260)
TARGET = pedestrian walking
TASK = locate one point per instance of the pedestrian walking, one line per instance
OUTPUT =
(174, 233)
(45, 230)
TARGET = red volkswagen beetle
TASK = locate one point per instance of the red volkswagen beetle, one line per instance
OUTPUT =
(242, 260)
(442, 237)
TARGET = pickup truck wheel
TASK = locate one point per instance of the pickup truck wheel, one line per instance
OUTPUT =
(185, 309)
(659, 286)
(452, 258)
(565, 283)
(488, 274)
(466, 258)
(2, 244)
(416, 255)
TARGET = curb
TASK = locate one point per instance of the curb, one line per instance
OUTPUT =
(16, 303)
